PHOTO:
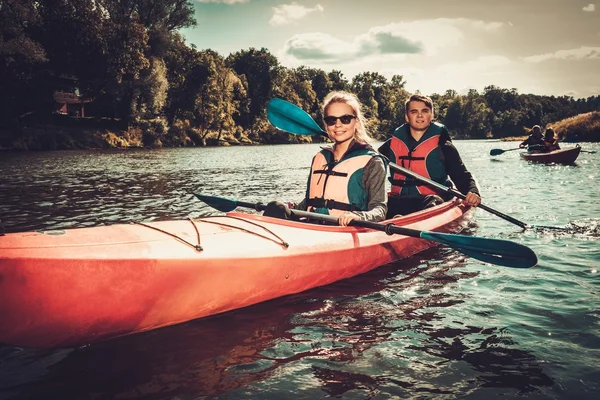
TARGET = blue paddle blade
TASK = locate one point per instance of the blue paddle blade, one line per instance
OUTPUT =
(218, 203)
(292, 119)
(495, 152)
(493, 251)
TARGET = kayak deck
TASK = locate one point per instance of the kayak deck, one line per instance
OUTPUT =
(72, 287)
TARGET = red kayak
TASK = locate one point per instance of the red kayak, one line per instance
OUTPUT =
(66, 288)
(563, 156)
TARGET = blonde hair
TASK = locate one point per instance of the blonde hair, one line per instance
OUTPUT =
(361, 134)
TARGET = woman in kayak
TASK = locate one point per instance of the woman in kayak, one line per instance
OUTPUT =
(347, 178)
(550, 141)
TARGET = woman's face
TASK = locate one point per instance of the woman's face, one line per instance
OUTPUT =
(342, 128)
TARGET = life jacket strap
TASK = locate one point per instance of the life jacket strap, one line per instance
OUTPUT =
(317, 202)
(329, 172)
(402, 182)
(409, 157)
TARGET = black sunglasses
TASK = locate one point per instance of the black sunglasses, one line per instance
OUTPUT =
(345, 119)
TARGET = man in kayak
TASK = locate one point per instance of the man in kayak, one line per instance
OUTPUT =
(347, 178)
(425, 148)
(535, 141)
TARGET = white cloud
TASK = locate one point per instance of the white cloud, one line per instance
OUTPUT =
(319, 46)
(571, 54)
(486, 26)
(589, 8)
(404, 38)
(223, 1)
(290, 13)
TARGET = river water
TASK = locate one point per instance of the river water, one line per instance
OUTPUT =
(437, 325)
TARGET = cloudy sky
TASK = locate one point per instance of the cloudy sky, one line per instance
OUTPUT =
(546, 47)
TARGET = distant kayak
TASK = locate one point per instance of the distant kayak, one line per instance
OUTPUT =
(563, 156)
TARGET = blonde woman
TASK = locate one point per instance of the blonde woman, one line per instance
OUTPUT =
(347, 177)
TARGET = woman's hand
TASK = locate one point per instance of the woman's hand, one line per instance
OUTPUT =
(346, 217)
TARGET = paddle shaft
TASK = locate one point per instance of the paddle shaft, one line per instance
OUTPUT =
(456, 193)
(388, 228)
(495, 251)
(497, 152)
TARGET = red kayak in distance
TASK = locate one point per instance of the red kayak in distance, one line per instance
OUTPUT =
(67, 288)
(563, 156)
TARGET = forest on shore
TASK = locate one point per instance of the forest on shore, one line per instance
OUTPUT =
(144, 86)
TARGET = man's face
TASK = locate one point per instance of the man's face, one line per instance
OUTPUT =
(418, 115)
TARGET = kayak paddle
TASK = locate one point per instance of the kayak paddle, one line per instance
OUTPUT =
(495, 152)
(493, 251)
(292, 119)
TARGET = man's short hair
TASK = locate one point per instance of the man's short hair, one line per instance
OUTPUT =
(418, 97)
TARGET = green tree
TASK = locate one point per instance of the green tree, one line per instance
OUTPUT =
(23, 83)
(262, 73)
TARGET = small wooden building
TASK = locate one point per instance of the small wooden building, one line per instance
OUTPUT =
(67, 100)
(72, 104)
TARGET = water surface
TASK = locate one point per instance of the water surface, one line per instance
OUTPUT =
(437, 325)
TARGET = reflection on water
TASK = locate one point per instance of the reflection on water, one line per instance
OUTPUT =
(437, 325)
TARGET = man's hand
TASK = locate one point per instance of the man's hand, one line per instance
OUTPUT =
(472, 199)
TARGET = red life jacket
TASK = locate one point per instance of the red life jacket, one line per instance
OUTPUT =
(426, 159)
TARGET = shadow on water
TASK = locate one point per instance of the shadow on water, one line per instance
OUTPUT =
(391, 319)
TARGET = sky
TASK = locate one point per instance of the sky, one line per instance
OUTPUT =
(544, 47)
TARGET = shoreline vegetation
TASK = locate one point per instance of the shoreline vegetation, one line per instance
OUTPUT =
(66, 133)
(77, 76)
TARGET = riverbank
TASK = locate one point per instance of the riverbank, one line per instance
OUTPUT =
(66, 133)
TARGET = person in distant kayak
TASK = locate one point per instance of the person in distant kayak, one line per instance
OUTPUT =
(550, 140)
(347, 178)
(535, 141)
(425, 148)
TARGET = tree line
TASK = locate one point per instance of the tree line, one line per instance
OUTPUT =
(130, 59)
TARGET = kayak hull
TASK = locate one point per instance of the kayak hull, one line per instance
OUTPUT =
(78, 286)
(563, 156)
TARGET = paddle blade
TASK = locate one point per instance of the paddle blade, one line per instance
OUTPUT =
(495, 152)
(493, 251)
(291, 118)
(218, 203)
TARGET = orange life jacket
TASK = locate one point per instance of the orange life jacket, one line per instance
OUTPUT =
(337, 187)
